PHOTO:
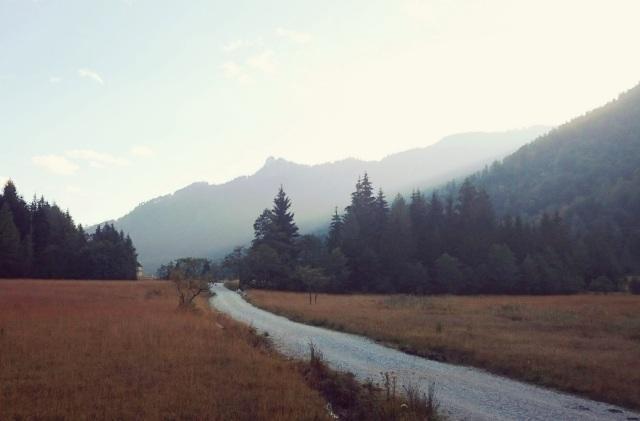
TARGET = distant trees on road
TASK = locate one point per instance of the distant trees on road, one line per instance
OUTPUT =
(39, 240)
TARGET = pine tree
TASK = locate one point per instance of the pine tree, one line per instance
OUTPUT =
(284, 230)
(19, 209)
(398, 246)
(334, 238)
(365, 195)
(273, 255)
(435, 230)
(475, 225)
(10, 258)
(361, 238)
(419, 213)
(381, 209)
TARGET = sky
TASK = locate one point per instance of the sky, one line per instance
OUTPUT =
(105, 104)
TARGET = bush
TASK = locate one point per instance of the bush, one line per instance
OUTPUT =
(602, 284)
(634, 286)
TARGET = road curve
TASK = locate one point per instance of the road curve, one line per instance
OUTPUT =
(464, 393)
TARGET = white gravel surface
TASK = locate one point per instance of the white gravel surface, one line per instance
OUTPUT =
(464, 393)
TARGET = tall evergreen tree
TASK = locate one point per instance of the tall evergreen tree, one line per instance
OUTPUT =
(398, 248)
(284, 232)
(418, 210)
(19, 209)
(361, 239)
(9, 244)
(435, 230)
(334, 238)
(273, 255)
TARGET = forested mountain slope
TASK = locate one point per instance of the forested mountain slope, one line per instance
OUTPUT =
(589, 171)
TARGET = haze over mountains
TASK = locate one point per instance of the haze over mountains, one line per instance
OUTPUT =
(208, 220)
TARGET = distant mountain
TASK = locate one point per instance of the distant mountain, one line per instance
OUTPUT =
(589, 171)
(208, 220)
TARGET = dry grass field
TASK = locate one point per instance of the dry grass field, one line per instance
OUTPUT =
(586, 344)
(119, 350)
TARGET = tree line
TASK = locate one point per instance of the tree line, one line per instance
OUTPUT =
(39, 240)
(589, 169)
(195, 267)
(449, 242)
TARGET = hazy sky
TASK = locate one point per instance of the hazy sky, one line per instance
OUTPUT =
(104, 104)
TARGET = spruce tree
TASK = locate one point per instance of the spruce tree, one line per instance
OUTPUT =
(272, 257)
(10, 258)
(284, 230)
(361, 238)
(334, 238)
(381, 208)
(419, 219)
(398, 246)
(433, 243)
(19, 209)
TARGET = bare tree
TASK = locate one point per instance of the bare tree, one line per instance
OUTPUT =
(191, 278)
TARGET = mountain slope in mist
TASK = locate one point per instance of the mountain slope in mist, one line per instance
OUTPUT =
(208, 220)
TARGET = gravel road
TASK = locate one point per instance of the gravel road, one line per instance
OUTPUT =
(464, 393)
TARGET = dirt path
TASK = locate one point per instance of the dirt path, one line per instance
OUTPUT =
(464, 393)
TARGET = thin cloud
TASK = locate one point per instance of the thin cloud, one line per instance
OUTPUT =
(294, 36)
(96, 159)
(141, 151)
(55, 79)
(239, 45)
(55, 164)
(263, 61)
(237, 72)
(90, 74)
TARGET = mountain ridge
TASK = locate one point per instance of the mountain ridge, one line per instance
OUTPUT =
(203, 219)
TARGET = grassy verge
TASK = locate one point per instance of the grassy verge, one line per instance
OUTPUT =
(351, 400)
(585, 344)
(119, 350)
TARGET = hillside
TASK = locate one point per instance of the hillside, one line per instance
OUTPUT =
(589, 171)
(208, 220)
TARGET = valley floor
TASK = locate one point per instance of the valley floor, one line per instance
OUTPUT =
(586, 344)
(119, 350)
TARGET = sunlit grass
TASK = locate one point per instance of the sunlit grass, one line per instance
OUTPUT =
(119, 350)
(587, 344)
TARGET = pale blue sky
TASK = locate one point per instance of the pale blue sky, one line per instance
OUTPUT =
(104, 104)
